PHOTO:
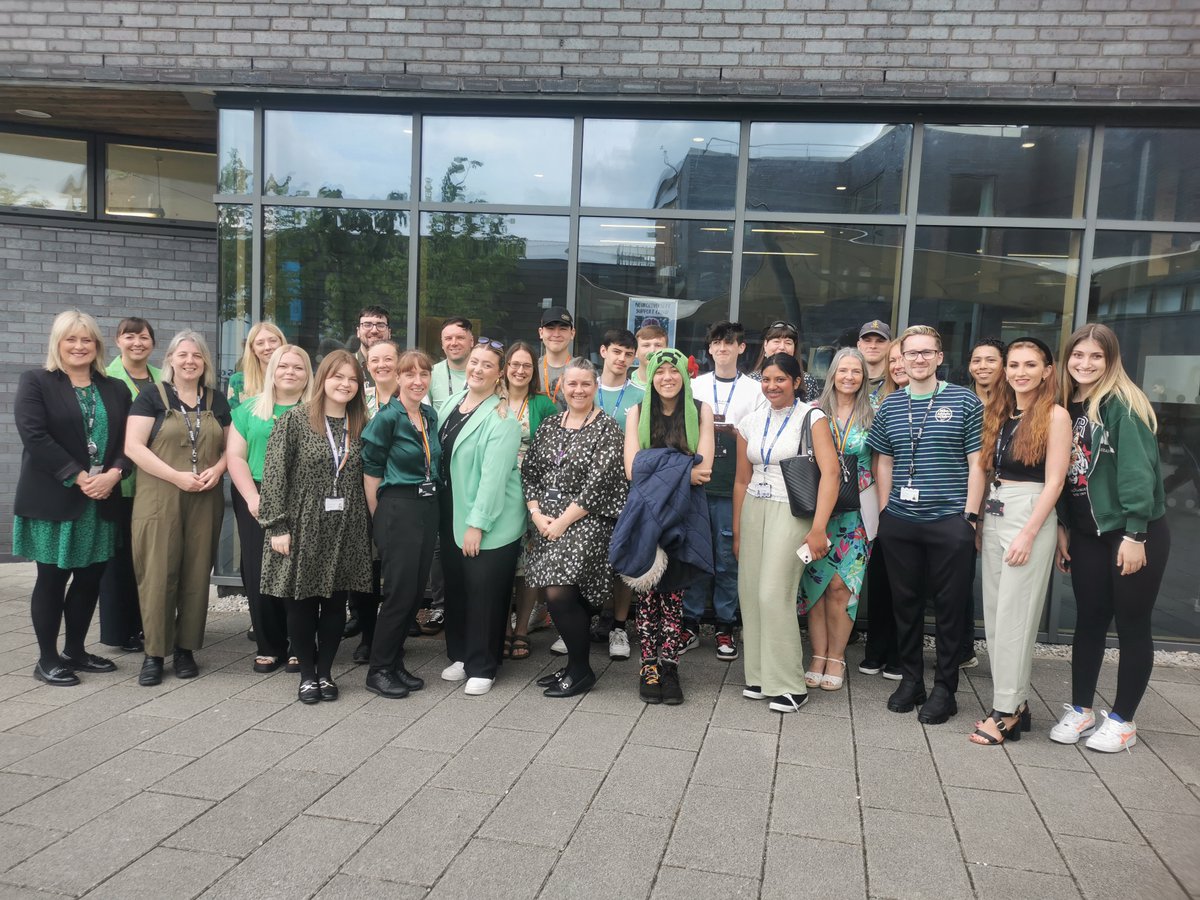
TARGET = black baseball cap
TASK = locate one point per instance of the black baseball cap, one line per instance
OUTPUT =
(875, 326)
(557, 315)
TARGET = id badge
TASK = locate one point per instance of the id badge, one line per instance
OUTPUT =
(718, 418)
(553, 495)
(427, 489)
(762, 491)
(910, 494)
(994, 507)
(721, 452)
(95, 470)
(335, 504)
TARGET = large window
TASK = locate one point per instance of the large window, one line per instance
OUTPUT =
(43, 173)
(158, 183)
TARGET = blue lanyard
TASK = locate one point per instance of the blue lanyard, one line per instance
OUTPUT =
(617, 405)
(729, 399)
(766, 453)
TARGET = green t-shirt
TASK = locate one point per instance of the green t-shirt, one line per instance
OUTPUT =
(255, 432)
(617, 401)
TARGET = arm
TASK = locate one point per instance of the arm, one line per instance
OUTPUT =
(1136, 450)
(500, 439)
(631, 439)
(371, 486)
(1058, 456)
(976, 482)
(137, 436)
(741, 481)
(706, 447)
(33, 425)
(883, 478)
(237, 452)
(555, 528)
(827, 492)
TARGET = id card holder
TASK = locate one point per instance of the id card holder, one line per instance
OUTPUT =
(95, 470)
(427, 489)
(994, 507)
(721, 451)
(335, 504)
(762, 490)
(910, 494)
(718, 418)
(553, 495)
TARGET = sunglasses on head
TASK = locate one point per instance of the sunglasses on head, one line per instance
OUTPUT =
(495, 345)
(786, 326)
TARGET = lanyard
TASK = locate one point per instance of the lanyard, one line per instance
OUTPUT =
(521, 411)
(568, 437)
(89, 417)
(763, 449)
(1002, 446)
(425, 443)
(449, 381)
(149, 376)
(339, 458)
(915, 437)
(617, 405)
(552, 394)
(841, 433)
(729, 399)
(193, 431)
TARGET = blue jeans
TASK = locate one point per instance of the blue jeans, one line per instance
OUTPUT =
(724, 582)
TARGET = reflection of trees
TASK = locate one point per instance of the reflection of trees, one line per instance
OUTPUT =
(235, 175)
(233, 279)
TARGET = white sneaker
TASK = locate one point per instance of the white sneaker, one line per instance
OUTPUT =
(559, 647)
(618, 644)
(1112, 736)
(477, 686)
(1073, 725)
(456, 671)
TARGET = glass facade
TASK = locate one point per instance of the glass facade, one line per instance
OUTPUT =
(982, 230)
(43, 173)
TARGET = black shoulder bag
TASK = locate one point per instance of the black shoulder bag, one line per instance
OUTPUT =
(802, 478)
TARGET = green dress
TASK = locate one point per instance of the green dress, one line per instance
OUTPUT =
(81, 542)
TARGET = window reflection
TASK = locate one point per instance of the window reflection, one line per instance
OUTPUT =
(235, 152)
(498, 270)
(321, 266)
(659, 165)
(827, 168)
(1151, 174)
(826, 280)
(156, 183)
(355, 156)
(496, 160)
(43, 173)
(1004, 170)
(234, 277)
(974, 283)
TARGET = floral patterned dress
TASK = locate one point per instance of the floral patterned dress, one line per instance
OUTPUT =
(849, 548)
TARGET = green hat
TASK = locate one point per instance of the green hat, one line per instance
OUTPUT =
(691, 420)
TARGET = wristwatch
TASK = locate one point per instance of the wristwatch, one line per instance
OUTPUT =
(971, 517)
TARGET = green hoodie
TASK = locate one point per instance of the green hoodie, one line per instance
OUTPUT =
(117, 370)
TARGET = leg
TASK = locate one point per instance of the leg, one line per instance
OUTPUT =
(881, 636)
(80, 606)
(302, 618)
(1091, 560)
(818, 633)
(725, 581)
(46, 608)
(949, 549)
(120, 618)
(330, 622)
(750, 552)
(406, 531)
(670, 626)
(157, 552)
(622, 601)
(838, 625)
(782, 652)
(488, 579)
(1133, 602)
(250, 540)
(572, 618)
(906, 563)
(523, 608)
(454, 585)
(201, 529)
(647, 626)
(967, 648)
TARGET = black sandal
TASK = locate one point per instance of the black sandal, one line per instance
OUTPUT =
(1007, 732)
(520, 647)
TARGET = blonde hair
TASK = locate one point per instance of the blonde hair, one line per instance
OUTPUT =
(356, 409)
(65, 323)
(889, 383)
(252, 369)
(168, 369)
(1114, 382)
(264, 406)
(921, 331)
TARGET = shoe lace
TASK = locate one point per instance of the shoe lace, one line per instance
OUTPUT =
(650, 674)
(724, 640)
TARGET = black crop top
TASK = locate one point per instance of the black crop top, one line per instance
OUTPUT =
(1010, 469)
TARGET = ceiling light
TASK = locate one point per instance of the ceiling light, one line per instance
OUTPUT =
(33, 113)
(538, 175)
(722, 230)
(640, 243)
(697, 140)
(1028, 145)
(840, 187)
(620, 225)
(787, 230)
(777, 253)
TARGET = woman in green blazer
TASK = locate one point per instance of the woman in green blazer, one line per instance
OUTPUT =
(482, 518)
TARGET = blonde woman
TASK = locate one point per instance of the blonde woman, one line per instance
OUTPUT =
(263, 340)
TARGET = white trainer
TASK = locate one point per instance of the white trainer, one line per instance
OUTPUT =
(559, 647)
(477, 686)
(1073, 725)
(456, 671)
(618, 644)
(1112, 736)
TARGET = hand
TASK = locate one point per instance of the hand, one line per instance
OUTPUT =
(252, 505)
(282, 544)
(979, 536)
(818, 544)
(1062, 556)
(701, 476)
(209, 478)
(187, 482)
(471, 541)
(555, 529)
(1131, 557)
(540, 521)
(1019, 549)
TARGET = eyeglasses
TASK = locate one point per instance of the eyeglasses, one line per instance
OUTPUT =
(911, 355)
(521, 367)
(495, 345)
(373, 325)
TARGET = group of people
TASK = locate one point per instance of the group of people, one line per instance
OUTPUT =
(502, 476)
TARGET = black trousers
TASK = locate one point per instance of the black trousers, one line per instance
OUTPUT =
(52, 601)
(268, 614)
(120, 612)
(881, 635)
(406, 530)
(928, 559)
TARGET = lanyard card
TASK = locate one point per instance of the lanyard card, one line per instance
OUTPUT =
(335, 504)
(427, 489)
(910, 494)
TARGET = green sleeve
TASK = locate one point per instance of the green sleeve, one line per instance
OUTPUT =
(377, 440)
(1136, 451)
(540, 407)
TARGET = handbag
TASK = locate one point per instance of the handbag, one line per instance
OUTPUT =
(802, 478)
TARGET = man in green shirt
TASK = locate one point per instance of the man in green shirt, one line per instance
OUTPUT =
(617, 393)
(450, 375)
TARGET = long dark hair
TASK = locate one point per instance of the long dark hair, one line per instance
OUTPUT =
(668, 431)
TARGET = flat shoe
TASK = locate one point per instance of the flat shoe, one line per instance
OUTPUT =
(88, 662)
(552, 679)
(57, 676)
(310, 692)
(152, 671)
(185, 664)
(329, 690)
(476, 687)
(569, 687)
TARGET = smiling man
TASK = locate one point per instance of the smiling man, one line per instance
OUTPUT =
(556, 332)
(450, 375)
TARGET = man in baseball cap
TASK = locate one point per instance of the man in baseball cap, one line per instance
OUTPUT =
(556, 333)
(873, 340)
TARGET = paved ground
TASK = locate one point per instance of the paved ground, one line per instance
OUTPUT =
(225, 786)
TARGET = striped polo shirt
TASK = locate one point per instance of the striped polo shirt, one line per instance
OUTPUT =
(952, 429)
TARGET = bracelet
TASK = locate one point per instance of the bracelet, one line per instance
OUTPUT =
(1133, 540)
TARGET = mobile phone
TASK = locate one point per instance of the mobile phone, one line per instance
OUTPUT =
(805, 554)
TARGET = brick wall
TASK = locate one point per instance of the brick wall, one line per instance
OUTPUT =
(169, 280)
(1070, 51)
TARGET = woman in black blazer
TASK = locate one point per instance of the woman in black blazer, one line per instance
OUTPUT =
(71, 419)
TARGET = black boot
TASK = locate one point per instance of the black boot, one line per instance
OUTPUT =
(152, 671)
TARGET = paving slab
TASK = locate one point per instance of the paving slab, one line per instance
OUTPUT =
(345, 746)
(380, 786)
(1181, 753)
(588, 740)
(804, 868)
(675, 883)
(731, 843)
(1094, 863)
(999, 883)
(19, 842)
(16, 788)
(496, 869)
(208, 729)
(358, 887)
(224, 770)
(544, 806)
(647, 781)
(900, 780)
(816, 803)
(742, 760)
(913, 856)
(1092, 811)
(1176, 839)
(187, 872)
(491, 762)
(608, 841)
(1002, 829)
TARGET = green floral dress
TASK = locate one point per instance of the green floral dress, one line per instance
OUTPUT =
(81, 542)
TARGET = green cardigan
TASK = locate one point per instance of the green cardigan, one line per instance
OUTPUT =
(117, 370)
(484, 477)
(540, 407)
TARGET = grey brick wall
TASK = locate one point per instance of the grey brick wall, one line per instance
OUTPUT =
(1075, 51)
(172, 281)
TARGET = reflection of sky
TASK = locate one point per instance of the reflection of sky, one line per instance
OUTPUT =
(545, 236)
(525, 161)
(237, 133)
(624, 160)
(805, 140)
(46, 171)
(365, 156)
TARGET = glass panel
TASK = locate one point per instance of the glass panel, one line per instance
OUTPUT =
(494, 160)
(43, 173)
(1004, 170)
(827, 168)
(659, 165)
(499, 271)
(354, 156)
(321, 266)
(155, 183)
(1131, 273)
(235, 151)
(685, 265)
(826, 280)
(1151, 174)
(974, 283)
(234, 279)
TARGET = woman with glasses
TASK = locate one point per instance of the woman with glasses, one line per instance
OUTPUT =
(248, 381)
(782, 337)
(483, 518)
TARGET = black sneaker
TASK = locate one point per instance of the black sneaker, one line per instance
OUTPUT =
(753, 692)
(434, 621)
(362, 654)
(893, 673)
(672, 693)
(353, 628)
(788, 703)
(870, 667)
(650, 689)
(383, 681)
(727, 648)
(688, 639)
(185, 664)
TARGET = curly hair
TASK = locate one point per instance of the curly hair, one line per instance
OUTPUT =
(1030, 440)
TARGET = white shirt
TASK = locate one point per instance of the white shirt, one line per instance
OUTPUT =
(766, 481)
(745, 397)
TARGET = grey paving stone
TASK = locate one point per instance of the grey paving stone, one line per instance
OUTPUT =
(196, 696)
(964, 764)
(301, 718)
(106, 845)
(678, 727)
(817, 803)
(876, 726)
(1094, 863)
(19, 842)
(647, 781)
(588, 740)
(1001, 829)
(345, 746)
(295, 862)
(544, 806)
(743, 760)
(495, 869)
(999, 883)
(210, 728)
(1180, 753)
(432, 828)
(491, 762)
(1156, 713)
(446, 728)
(380, 786)
(89, 748)
(676, 883)
(74, 717)
(14, 747)
(800, 867)
(358, 887)
(913, 856)
(1176, 838)
(731, 843)
(1181, 695)
(900, 780)
(245, 820)
(821, 741)
(15, 685)
(605, 842)
(530, 711)
(17, 712)
(188, 873)
(1092, 811)
(224, 770)
(735, 711)
(1035, 749)
(16, 789)
(1140, 780)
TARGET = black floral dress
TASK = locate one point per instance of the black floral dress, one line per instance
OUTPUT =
(587, 467)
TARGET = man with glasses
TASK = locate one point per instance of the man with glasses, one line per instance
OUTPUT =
(450, 375)
(926, 438)
(374, 325)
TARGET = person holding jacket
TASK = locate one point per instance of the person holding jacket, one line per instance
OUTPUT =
(1113, 536)
(483, 518)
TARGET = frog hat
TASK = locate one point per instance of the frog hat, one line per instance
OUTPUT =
(691, 419)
